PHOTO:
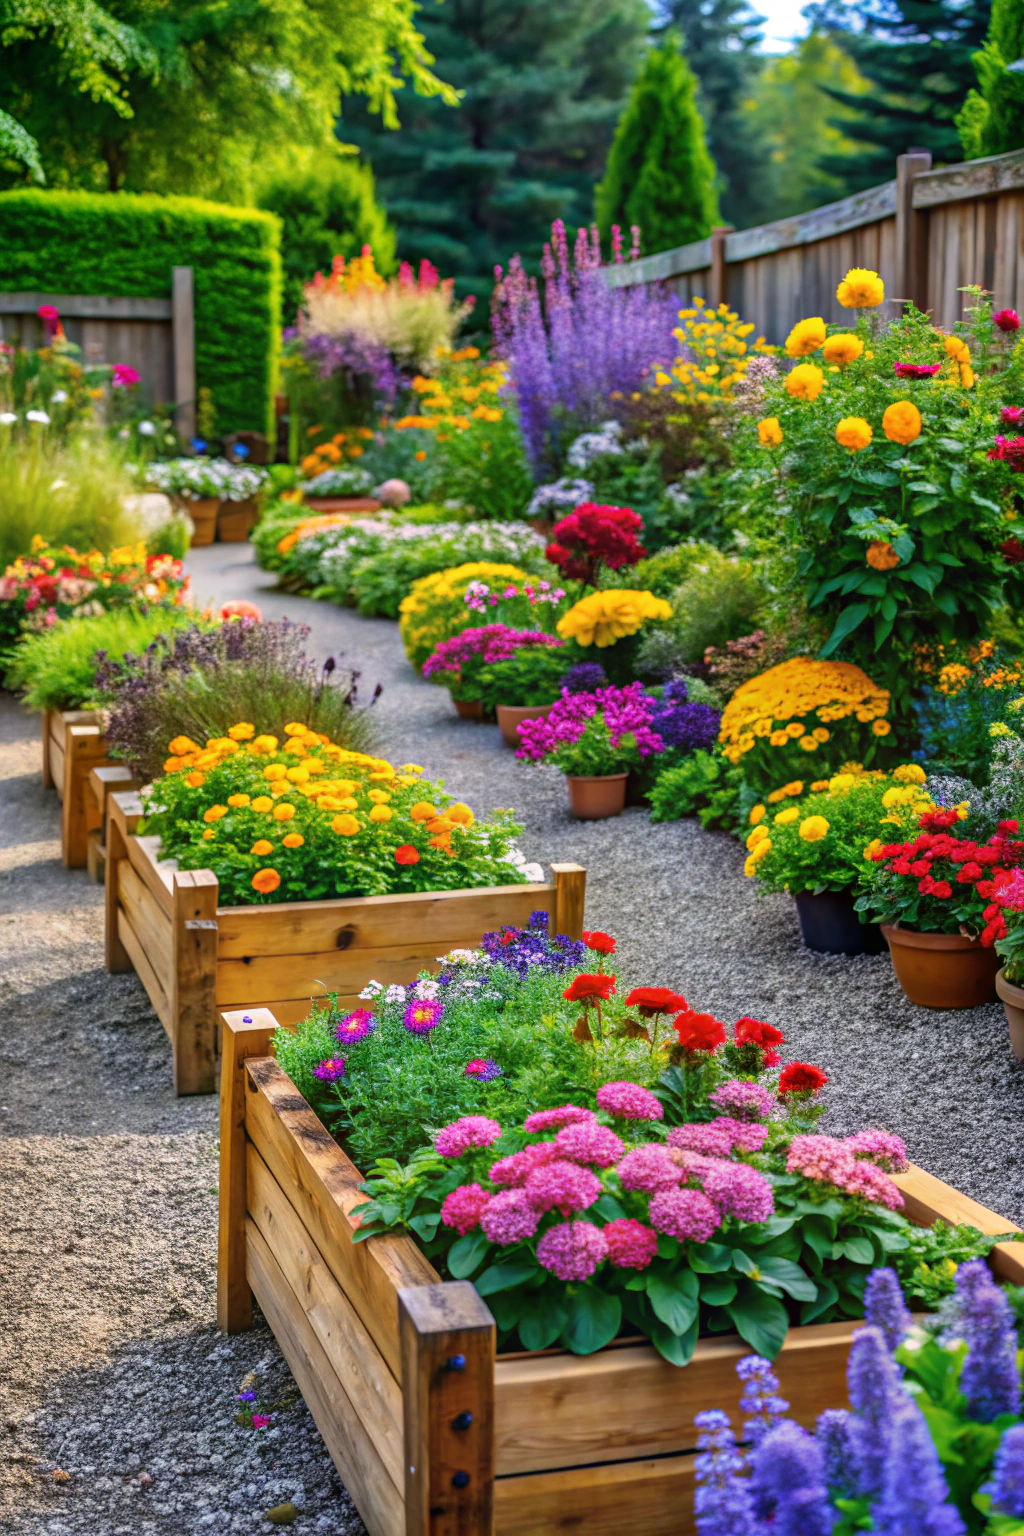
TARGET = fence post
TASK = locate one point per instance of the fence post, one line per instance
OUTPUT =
(193, 989)
(570, 892)
(242, 1035)
(183, 334)
(910, 279)
(719, 285)
(123, 815)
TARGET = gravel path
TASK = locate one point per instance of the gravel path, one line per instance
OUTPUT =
(116, 1391)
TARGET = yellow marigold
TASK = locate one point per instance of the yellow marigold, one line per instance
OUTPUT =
(820, 734)
(265, 745)
(604, 617)
(346, 826)
(347, 803)
(182, 745)
(460, 814)
(778, 739)
(910, 773)
(275, 771)
(819, 786)
(379, 796)
(293, 840)
(749, 866)
(313, 766)
(381, 813)
(806, 382)
(284, 812)
(243, 731)
(805, 337)
(967, 375)
(854, 432)
(769, 432)
(957, 349)
(422, 811)
(861, 289)
(194, 780)
(757, 814)
(842, 349)
(758, 835)
(901, 422)
(872, 848)
(880, 728)
(795, 728)
(295, 728)
(838, 783)
(296, 746)
(261, 848)
(789, 814)
(999, 728)
(808, 744)
(172, 764)
(297, 775)
(330, 803)
(209, 833)
(263, 803)
(412, 768)
(881, 557)
(215, 813)
(814, 829)
(762, 850)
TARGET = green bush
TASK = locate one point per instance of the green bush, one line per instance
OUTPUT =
(666, 571)
(706, 786)
(56, 669)
(66, 494)
(718, 601)
(90, 243)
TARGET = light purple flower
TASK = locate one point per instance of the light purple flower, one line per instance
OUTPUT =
(990, 1379)
(885, 1308)
(722, 1503)
(1007, 1485)
(760, 1400)
(471, 1131)
(739, 1191)
(742, 1100)
(588, 1142)
(572, 1250)
(628, 1101)
(510, 1218)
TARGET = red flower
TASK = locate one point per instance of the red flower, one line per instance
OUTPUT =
(1008, 828)
(593, 536)
(590, 989)
(600, 943)
(240, 608)
(1007, 320)
(406, 854)
(916, 370)
(699, 1031)
(800, 1077)
(942, 889)
(1010, 450)
(652, 1000)
(753, 1032)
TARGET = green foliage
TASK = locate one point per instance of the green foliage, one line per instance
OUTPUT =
(74, 242)
(718, 601)
(991, 121)
(328, 210)
(927, 1267)
(56, 669)
(705, 785)
(664, 572)
(67, 493)
(533, 675)
(660, 176)
(170, 538)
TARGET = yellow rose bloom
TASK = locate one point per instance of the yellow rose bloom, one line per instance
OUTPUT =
(901, 422)
(263, 803)
(910, 773)
(808, 744)
(806, 336)
(381, 813)
(806, 382)
(261, 848)
(757, 814)
(238, 801)
(215, 813)
(275, 771)
(769, 432)
(843, 349)
(758, 835)
(284, 812)
(295, 728)
(861, 289)
(296, 746)
(853, 432)
(460, 814)
(243, 731)
(345, 826)
(880, 728)
(297, 775)
(814, 829)
(785, 817)
(330, 803)
(348, 803)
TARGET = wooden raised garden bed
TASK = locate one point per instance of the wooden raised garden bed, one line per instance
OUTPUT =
(195, 958)
(73, 745)
(430, 1432)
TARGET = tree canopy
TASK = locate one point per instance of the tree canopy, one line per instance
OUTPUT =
(992, 119)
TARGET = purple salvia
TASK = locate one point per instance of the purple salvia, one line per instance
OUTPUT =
(885, 1308)
(876, 1390)
(836, 1437)
(914, 1496)
(789, 1481)
(760, 1400)
(721, 1503)
(1007, 1485)
(990, 1379)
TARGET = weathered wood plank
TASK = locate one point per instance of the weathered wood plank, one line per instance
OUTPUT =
(344, 971)
(242, 1035)
(374, 1393)
(149, 922)
(85, 746)
(682, 259)
(192, 985)
(56, 760)
(144, 853)
(971, 179)
(358, 1463)
(324, 1186)
(629, 1498)
(927, 1198)
(87, 306)
(108, 779)
(132, 946)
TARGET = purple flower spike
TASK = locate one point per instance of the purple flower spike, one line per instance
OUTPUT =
(330, 1071)
(914, 1498)
(835, 1434)
(789, 1479)
(722, 1502)
(990, 1379)
(1007, 1485)
(421, 1017)
(876, 1393)
(760, 1400)
(885, 1308)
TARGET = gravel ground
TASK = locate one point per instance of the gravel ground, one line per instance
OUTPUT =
(117, 1392)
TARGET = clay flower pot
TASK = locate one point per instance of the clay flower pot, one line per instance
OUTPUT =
(469, 709)
(942, 970)
(830, 926)
(236, 520)
(511, 717)
(595, 799)
(1013, 1002)
(204, 519)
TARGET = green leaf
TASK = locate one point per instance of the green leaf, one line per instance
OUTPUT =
(925, 486)
(789, 1276)
(608, 1207)
(845, 625)
(828, 1295)
(465, 1255)
(923, 577)
(717, 1290)
(541, 1327)
(922, 504)
(593, 1320)
(761, 1320)
(501, 1277)
(508, 1307)
(674, 1299)
(817, 1238)
(426, 1226)
(859, 1249)
(711, 1258)
(676, 1348)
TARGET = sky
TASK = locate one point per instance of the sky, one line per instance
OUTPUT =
(783, 23)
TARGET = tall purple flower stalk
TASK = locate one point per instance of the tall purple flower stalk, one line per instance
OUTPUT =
(914, 1499)
(990, 1379)
(876, 1391)
(885, 1308)
(356, 357)
(1007, 1486)
(585, 340)
(760, 1399)
(789, 1480)
(722, 1502)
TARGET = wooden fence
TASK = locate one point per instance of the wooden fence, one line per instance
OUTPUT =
(928, 233)
(156, 337)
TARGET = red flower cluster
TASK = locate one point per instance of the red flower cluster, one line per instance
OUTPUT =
(590, 989)
(1012, 550)
(916, 370)
(651, 1000)
(753, 1032)
(594, 536)
(801, 1077)
(1010, 450)
(1007, 320)
(699, 1031)
(955, 861)
(600, 943)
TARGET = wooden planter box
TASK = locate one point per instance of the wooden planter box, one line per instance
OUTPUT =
(102, 783)
(73, 745)
(389, 1359)
(195, 958)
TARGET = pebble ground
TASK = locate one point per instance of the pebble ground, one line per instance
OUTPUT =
(117, 1393)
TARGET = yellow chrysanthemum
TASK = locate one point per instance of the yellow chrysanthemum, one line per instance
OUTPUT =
(762, 850)
(806, 336)
(854, 432)
(275, 772)
(284, 812)
(794, 729)
(880, 728)
(842, 349)
(783, 818)
(808, 744)
(381, 813)
(757, 814)
(901, 422)
(237, 801)
(769, 432)
(806, 381)
(604, 617)
(243, 731)
(814, 829)
(261, 848)
(215, 812)
(263, 803)
(910, 773)
(758, 835)
(861, 289)
(293, 840)
(345, 826)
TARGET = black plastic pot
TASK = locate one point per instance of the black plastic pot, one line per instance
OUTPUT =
(829, 924)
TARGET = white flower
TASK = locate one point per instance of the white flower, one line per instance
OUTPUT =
(395, 995)
(561, 495)
(146, 429)
(464, 957)
(39, 416)
(595, 445)
(534, 873)
(58, 397)
(426, 991)
(514, 856)
(371, 990)
(7, 417)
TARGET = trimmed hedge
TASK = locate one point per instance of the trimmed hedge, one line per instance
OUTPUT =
(123, 244)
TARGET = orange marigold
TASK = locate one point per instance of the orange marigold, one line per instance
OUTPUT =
(902, 422)
(265, 881)
(881, 556)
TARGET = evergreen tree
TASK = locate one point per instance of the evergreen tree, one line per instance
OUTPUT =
(992, 120)
(659, 174)
(720, 40)
(543, 86)
(917, 55)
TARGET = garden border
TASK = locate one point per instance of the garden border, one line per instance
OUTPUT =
(431, 1433)
(194, 957)
(74, 743)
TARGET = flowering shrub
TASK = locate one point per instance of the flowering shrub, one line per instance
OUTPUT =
(406, 318)
(50, 584)
(457, 663)
(684, 725)
(589, 734)
(303, 820)
(781, 720)
(715, 357)
(196, 479)
(436, 607)
(592, 539)
(939, 883)
(972, 701)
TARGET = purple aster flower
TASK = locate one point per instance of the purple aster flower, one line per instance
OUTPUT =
(355, 1026)
(686, 727)
(835, 1435)
(885, 1308)
(760, 1399)
(789, 1479)
(876, 1393)
(421, 1017)
(330, 1071)
(1007, 1485)
(914, 1499)
(722, 1503)
(522, 950)
(585, 677)
(990, 1379)
(246, 1397)
(484, 1068)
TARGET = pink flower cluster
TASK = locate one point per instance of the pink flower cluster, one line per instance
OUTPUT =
(551, 1119)
(829, 1161)
(626, 712)
(745, 1101)
(880, 1147)
(470, 1131)
(628, 1101)
(485, 644)
(719, 1138)
(572, 1250)
(589, 1142)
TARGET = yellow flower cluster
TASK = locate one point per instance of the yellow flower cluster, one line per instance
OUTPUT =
(455, 398)
(434, 609)
(717, 354)
(604, 617)
(861, 289)
(775, 706)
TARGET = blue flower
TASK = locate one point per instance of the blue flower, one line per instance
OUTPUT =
(915, 1497)
(1007, 1485)
(990, 1379)
(789, 1479)
(885, 1308)
(721, 1503)
(837, 1438)
(876, 1393)
(760, 1397)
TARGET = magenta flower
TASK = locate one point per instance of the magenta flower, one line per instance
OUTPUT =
(551, 1119)
(719, 1138)
(869, 1181)
(562, 1186)
(421, 1017)
(631, 1245)
(471, 1131)
(1007, 320)
(744, 1101)
(648, 1169)
(260, 1420)
(625, 712)
(628, 1101)
(512, 1171)
(509, 1218)
(483, 1068)
(737, 1190)
(330, 1071)
(572, 1250)
(464, 1207)
(588, 1142)
(880, 1147)
(683, 1213)
(916, 370)
(124, 377)
(355, 1026)
(1012, 415)
(484, 644)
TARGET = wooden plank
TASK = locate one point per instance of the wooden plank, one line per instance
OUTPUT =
(150, 923)
(242, 1035)
(373, 1391)
(680, 260)
(910, 274)
(85, 746)
(820, 224)
(629, 1498)
(57, 767)
(972, 179)
(358, 1463)
(448, 1397)
(95, 856)
(87, 306)
(192, 987)
(437, 918)
(132, 947)
(144, 853)
(927, 1198)
(282, 976)
(119, 829)
(107, 779)
(323, 1186)
(47, 775)
(565, 1410)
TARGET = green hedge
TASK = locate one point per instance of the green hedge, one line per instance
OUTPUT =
(123, 244)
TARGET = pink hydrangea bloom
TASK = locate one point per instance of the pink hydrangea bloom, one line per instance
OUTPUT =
(631, 1245)
(879, 1147)
(744, 1101)
(572, 1250)
(470, 1131)
(683, 1213)
(509, 1218)
(562, 1186)
(738, 1191)
(869, 1181)
(589, 1142)
(820, 1157)
(551, 1119)
(512, 1171)
(628, 1101)
(463, 1208)
(649, 1168)
(719, 1138)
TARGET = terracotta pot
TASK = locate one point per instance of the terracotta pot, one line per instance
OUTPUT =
(204, 519)
(942, 970)
(511, 716)
(342, 503)
(236, 520)
(829, 925)
(1013, 1002)
(469, 709)
(594, 799)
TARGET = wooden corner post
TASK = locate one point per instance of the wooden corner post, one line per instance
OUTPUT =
(193, 994)
(570, 892)
(47, 771)
(123, 816)
(84, 749)
(447, 1340)
(718, 287)
(242, 1035)
(910, 278)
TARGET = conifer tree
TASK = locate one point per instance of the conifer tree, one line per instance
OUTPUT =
(991, 121)
(660, 175)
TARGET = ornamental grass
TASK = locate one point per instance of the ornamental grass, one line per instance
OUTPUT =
(57, 668)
